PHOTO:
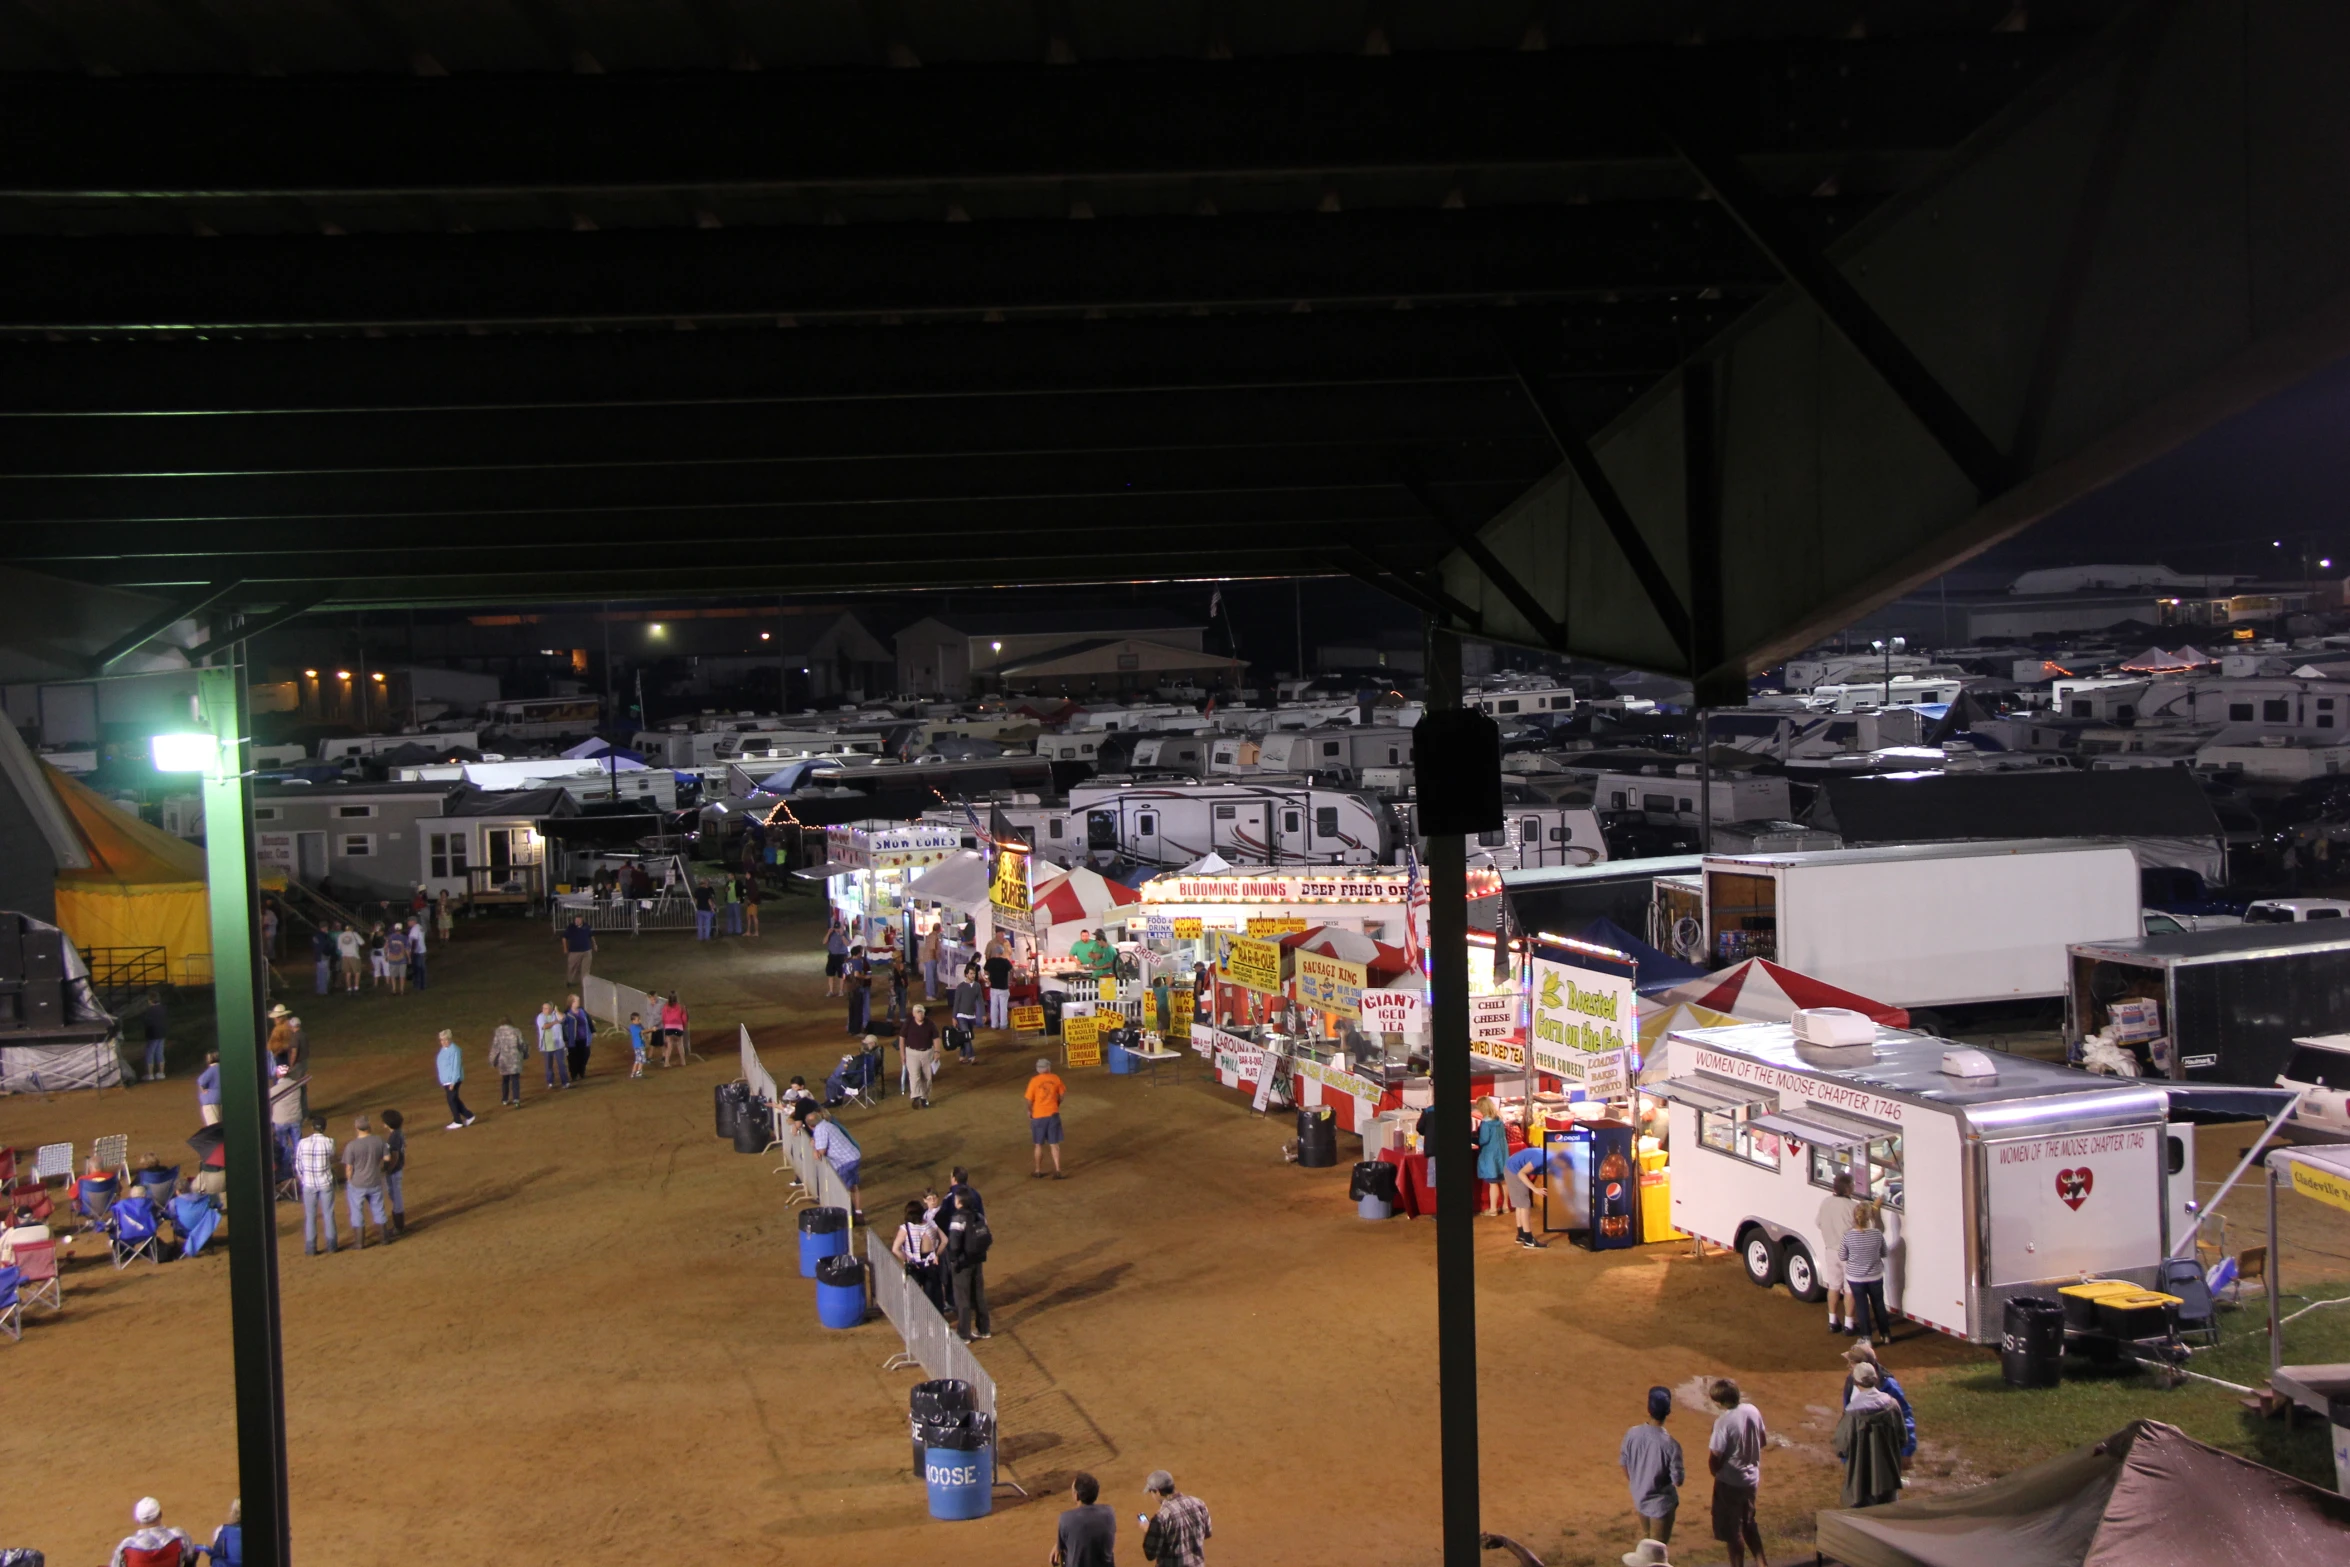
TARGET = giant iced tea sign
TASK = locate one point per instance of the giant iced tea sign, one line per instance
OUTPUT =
(1577, 1014)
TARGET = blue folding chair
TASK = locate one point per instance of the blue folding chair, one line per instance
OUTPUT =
(95, 1199)
(195, 1218)
(11, 1308)
(133, 1230)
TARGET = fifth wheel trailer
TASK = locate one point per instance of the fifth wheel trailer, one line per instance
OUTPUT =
(1996, 1185)
(1925, 925)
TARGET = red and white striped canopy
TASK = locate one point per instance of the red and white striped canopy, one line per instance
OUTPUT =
(1761, 991)
(1081, 895)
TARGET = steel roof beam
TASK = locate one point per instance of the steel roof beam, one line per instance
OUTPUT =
(169, 138)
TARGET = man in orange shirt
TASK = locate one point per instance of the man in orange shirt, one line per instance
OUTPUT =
(1044, 1094)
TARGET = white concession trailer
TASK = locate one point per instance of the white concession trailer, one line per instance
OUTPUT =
(1997, 1175)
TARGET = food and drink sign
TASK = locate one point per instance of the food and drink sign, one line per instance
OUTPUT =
(1330, 984)
(1493, 1018)
(1280, 887)
(1185, 929)
(1081, 1037)
(1393, 1011)
(1028, 1020)
(1179, 1004)
(1007, 893)
(864, 846)
(1276, 926)
(1254, 965)
(1584, 1020)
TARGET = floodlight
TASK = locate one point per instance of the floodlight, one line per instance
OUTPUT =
(185, 753)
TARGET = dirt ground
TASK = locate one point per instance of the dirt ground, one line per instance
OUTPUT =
(595, 1342)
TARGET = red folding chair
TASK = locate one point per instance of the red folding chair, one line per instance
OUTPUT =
(36, 1261)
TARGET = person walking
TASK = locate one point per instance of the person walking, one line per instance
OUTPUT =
(1835, 1219)
(636, 1044)
(918, 1051)
(314, 1171)
(506, 1055)
(551, 1052)
(933, 940)
(1651, 1461)
(208, 1089)
(1044, 1094)
(363, 1182)
(970, 996)
(281, 1035)
(674, 1024)
(857, 980)
(1493, 1152)
(999, 984)
(1086, 1535)
(1863, 1255)
(350, 951)
(579, 950)
(579, 1037)
(836, 955)
(396, 1166)
(1177, 1534)
(1868, 1439)
(269, 929)
(704, 911)
(1734, 1454)
(156, 1023)
(968, 1243)
(750, 903)
(395, 957)
(322, 958)
(449, 1064)
(416, 950)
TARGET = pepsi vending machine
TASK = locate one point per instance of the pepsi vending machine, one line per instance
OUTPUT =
(1614, 1186)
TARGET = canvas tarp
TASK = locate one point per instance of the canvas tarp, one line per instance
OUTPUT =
(143, 887)
(83, 1054)
(2147, 1496)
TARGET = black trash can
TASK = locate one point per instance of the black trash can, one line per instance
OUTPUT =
(933, 1405)
(2031, 1342)
(752, 1121)
(1317, 1138)
(1051, 1001)
(823, 1221)
(730, 1098)
(1372, 1178)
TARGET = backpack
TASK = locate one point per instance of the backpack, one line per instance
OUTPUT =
(977, 1237)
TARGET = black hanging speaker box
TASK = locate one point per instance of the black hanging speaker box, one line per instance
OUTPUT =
(1456, 757)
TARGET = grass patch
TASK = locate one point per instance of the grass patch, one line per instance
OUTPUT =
(1998, 1428)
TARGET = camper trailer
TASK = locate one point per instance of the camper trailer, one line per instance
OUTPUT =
(1943, 924)
(1530, 836)
(1268, 822)
(2220, 1006)
(1342, 752)
(1677, 799)
(1186, 754)
(1997, 1175)
(1534, 701)
(541, 717)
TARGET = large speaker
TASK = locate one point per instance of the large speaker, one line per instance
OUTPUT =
(44, 954)
(1456, 759)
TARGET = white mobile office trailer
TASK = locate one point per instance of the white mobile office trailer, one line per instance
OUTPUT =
(1929, 925)
(1992, 1185)
(1272, 821)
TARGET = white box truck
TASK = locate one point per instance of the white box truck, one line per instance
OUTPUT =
(2013, 1183)
(1926, 925)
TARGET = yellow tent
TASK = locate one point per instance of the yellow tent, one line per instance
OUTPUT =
(144, 887)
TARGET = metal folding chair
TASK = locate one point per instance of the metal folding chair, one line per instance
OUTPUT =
(54, 1162)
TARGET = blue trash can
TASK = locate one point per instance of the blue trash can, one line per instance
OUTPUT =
(840, 1292)
(824, 1232)
(1373, 1206)
(1121, 1060)
(958, 1467)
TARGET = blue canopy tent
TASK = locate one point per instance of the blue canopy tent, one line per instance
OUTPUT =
(1653, 970)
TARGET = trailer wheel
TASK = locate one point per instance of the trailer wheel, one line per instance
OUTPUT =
(1760, 1256)
(1803, 1279)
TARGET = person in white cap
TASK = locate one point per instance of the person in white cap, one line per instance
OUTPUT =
(152, 1544)
(1648, 1553)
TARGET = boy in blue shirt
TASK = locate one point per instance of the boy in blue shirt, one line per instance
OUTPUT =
(636, 1044)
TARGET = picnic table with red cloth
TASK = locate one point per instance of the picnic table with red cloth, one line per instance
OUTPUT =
(1415, 1193)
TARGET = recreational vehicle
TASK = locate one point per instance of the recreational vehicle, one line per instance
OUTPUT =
(1555, 701)
(1268, 822)
(1997, 1175)
(542, 717)
(1674, 799)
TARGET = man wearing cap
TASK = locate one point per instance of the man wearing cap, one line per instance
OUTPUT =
(1178, 1535)
(1652, 1464)
(152, 1544)
(1044, 1094)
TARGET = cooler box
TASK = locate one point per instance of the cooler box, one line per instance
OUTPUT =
(2142, 1313)
(2080, 1301)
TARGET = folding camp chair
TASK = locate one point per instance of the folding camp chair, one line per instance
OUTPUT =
(133, 1231)
(30, 1200)
(2183, 1277)
(113, 1154)
(7, 1167)
(11, 1305)
(195, 1218)
(157, 1184)
(54, 1162)
(95, 1199)
(36, 1262)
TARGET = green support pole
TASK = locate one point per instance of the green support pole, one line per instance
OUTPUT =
(244, 1117)
(1456, 1187)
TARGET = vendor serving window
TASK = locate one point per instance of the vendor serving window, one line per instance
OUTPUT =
(1732, 1131)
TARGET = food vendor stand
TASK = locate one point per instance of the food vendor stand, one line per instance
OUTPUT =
(867, 869)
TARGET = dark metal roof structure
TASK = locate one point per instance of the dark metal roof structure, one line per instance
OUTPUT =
(375, 303)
